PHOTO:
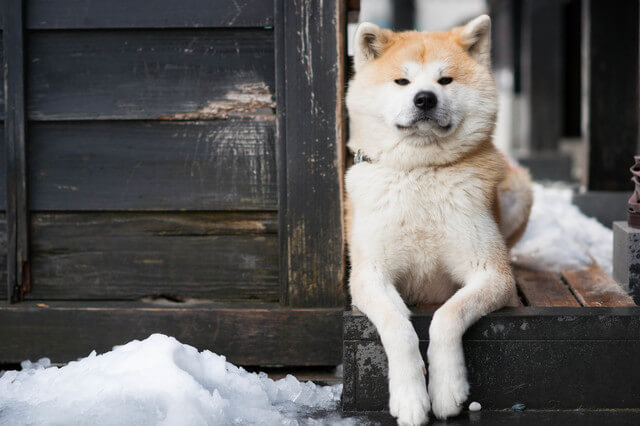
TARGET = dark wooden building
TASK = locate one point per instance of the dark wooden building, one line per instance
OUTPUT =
(172, 167)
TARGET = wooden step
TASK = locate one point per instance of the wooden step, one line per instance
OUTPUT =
(575, 344)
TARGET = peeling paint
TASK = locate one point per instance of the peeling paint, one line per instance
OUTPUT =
(250, 100)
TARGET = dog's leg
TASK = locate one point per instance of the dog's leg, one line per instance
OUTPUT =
(374, 294)
(481, 264)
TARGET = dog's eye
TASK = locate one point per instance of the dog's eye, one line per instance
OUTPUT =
(445, 80)
(402, 82)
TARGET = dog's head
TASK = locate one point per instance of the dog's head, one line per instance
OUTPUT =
(432, 92)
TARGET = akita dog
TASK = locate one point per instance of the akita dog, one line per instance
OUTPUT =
(433, 207)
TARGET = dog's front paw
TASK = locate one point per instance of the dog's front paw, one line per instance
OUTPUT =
(449, 390)
(409, 401)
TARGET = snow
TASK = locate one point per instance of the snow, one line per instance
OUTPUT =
(160, 381)
(475, 406)
(559, 236)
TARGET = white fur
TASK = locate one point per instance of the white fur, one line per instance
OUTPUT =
(421, 231)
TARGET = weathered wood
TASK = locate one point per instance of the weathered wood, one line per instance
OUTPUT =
(133, 165)
(543, 288)
(403, 13)
(517, 355)
(542, 72)
(3, 256)
(118, 256)
(259, 335)
(1, 62)
(281, 146)
(610, 78)
(173, 74)
(3, 164)
(84, 14)
(594, 287)
(18, 282)
(314, 67)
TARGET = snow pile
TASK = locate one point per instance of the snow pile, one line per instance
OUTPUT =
(158, 381)
(559, 236)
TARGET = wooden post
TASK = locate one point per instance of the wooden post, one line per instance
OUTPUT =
(542, 72)
(404, 12)
(311, 50)
(610, 91)
(17, 237)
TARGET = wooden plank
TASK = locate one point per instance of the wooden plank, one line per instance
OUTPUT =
(543, 288)
(120, 256)
(281, 146)
(1, 79)
(314, 146)
(594, 339)
(3, 256)
(594, 287)
(542, 69)
(133, 165)
(263, 335)
(498, 378)
(84, 14)
(403, 14)
(523, 323)
(18, 282)
(610, 77)
(3, 168)
(172, 74)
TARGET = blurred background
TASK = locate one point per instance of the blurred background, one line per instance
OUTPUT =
(567, 73)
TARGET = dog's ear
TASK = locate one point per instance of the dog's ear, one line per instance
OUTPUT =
(369, 43)
(476, 38)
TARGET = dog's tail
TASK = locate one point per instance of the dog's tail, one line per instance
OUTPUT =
(515, 197)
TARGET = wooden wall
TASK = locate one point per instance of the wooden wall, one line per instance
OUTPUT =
(189, 150)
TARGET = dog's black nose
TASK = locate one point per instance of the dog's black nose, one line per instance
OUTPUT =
(425, 100)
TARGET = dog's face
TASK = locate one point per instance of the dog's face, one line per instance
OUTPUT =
(422, 88)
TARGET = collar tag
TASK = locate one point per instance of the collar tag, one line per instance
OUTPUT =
(360, 157)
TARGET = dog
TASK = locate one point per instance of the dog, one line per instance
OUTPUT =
(432, 207)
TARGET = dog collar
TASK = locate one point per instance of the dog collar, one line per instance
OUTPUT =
(359, 157)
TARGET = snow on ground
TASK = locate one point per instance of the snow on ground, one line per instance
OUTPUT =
(559, 236)
(160, 381)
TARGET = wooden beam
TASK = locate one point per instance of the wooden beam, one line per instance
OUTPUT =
(313, 149)
(551, 358)
(610, 92)
(250, 335)
(404, 12)
(14, 127)
(594, 287)
(543, 288)
(542, 72)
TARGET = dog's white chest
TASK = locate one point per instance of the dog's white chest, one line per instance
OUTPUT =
(419, 201)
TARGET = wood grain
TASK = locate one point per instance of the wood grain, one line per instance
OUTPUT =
(3, 168)
(132, 165)
(314, 64)
(252, 335)
(543, 288)
(55, 14)
(3, 256)
(18, 282)
(120, 256)
(1, 85)
(594, 287)
(172, 74)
